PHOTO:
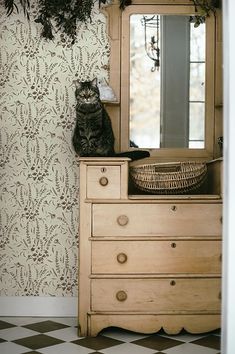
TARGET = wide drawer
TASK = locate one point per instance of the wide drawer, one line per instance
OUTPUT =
(156, 295)
(157, 219)
(132, 257)
(103, 182)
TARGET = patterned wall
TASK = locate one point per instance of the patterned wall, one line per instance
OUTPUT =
(39, 171)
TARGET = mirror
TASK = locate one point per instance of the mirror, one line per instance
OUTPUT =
(167, 84)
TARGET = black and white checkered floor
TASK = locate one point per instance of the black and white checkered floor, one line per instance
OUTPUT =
(30, 335)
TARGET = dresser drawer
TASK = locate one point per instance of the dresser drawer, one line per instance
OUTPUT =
(159, 257)
(157, 219)
(103, 182)
(156, 295)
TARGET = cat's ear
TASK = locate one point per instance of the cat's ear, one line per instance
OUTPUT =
(94, 82)
(77, 83)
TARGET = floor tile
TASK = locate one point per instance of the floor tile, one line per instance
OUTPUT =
(32, 352)
(217, 331)
(128, 348)
(35, 335)
(97, 343)
(123, 335)
(4, 325)
(11, 334)
(21, 321)
(69, 321)
(157, 342)
(46, 326)
(189, 348)
(211, 341)
(67, 334)
(184, 336)
(38, 341)
(12, 348)
(66, 348)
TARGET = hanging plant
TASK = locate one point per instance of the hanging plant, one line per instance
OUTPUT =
(123, 3)
(203, 9)
(61, 14)
(65, 14)
(10, 6)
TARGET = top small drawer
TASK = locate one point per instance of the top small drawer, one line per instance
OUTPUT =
(103, 182)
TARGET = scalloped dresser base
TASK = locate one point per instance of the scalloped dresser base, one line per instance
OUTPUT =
(171, 324)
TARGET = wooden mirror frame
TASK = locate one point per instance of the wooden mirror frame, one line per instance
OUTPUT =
(119, 78)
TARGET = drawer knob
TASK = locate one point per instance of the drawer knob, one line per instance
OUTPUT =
(121, 258)
(172, 282)
(103, 181)
(173, 245)
(174, 208)
(121, 295)
(122, 220)
(219, 296)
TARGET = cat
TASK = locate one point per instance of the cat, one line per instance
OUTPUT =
(93, 134)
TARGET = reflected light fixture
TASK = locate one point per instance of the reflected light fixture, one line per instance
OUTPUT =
(152, 47)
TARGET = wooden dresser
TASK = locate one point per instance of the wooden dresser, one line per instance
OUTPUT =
(147, 261)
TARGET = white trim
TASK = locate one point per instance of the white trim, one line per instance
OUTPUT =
(228, 319)
(38, 306)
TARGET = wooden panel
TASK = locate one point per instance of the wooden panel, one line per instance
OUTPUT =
(85, 253)
(103, 182)
(159, 219)
(162, 7)
(171, 324)
(156, 295)
(132, 257)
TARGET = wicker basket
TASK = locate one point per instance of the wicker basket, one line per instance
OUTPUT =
(169, 178)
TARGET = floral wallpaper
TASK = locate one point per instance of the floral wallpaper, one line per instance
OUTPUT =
(39, 172)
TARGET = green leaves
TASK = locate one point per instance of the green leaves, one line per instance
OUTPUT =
(10, 6)
(63, 14)
(203, 9)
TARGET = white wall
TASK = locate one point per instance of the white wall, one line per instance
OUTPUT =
(228, 322)
(33, 306)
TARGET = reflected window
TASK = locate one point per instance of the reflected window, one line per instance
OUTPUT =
(167, 105)
(197, 86)
(145, 89)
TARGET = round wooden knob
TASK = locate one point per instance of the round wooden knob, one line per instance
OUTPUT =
(172, 282)
(104, 181)
(121, 258)
(174, 208)
(173, 245)
(122, 220)
(121, 295)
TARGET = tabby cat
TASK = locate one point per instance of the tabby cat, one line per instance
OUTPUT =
(93, 134)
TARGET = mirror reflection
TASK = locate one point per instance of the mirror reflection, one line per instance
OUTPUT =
(167, 82)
